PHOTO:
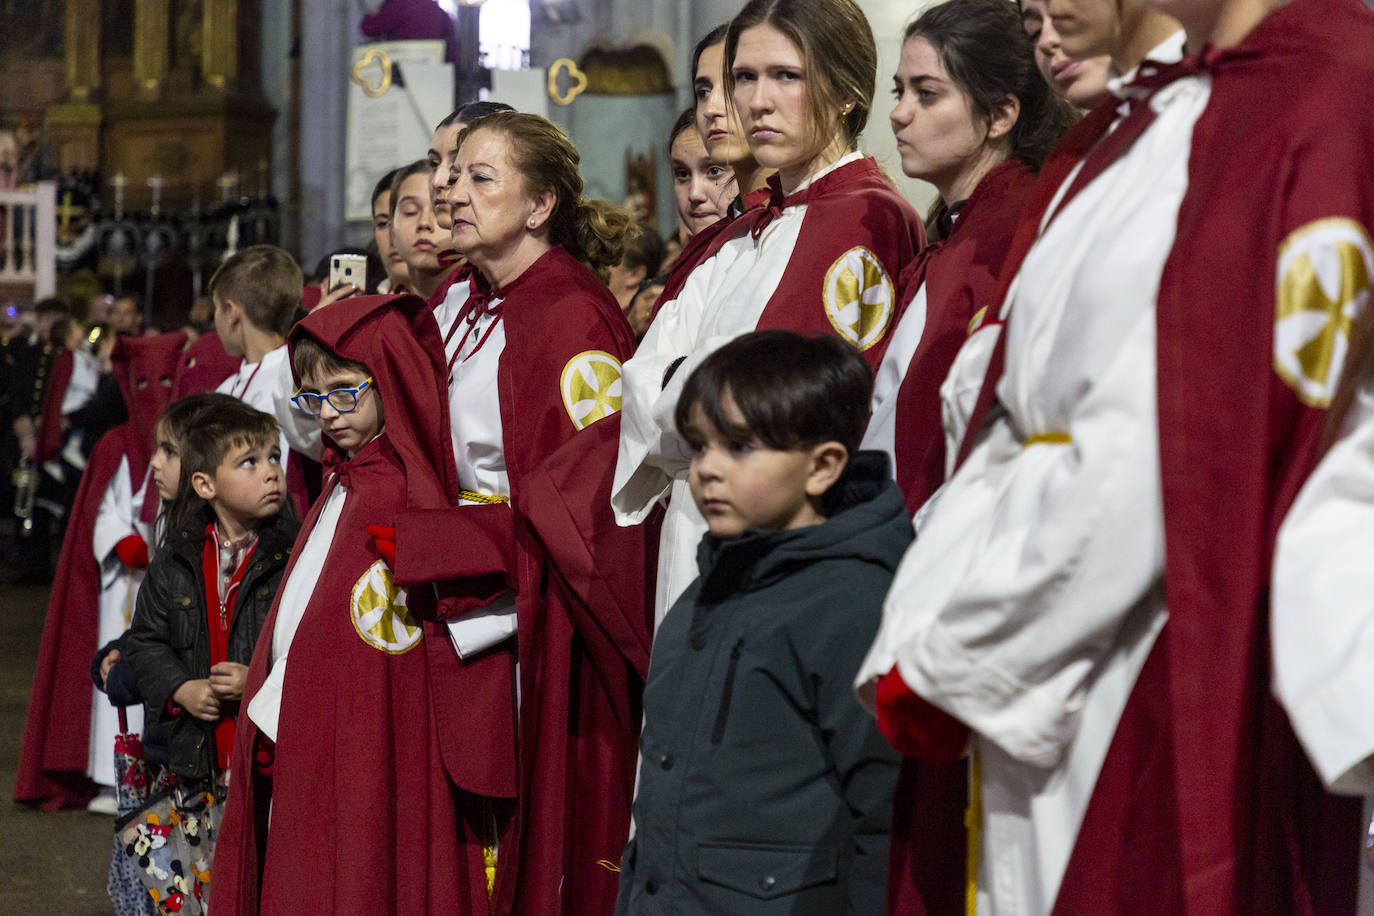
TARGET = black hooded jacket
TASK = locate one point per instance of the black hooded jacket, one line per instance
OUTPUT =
(765, 787)
(168, 642)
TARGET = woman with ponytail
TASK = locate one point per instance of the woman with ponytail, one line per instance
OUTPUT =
(821, 257)
(973, 117)
(533, 341)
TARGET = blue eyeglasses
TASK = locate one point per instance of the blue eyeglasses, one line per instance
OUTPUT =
(344, 400)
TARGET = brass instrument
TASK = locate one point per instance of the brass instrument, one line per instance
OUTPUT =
(25, 478)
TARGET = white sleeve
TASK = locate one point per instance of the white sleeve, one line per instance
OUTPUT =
(650, 454)
(301, 432)
(1322, 609)
(961, 387)
(114, 521)
(479, 630)
(84, 382)
(1025, 576)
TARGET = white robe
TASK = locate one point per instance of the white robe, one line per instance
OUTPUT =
(478, 444)
(116, 519)
(1033, 596)
(722, 299)
(961, 387)
(265, 707)
(881, 434)
(268, 386)
(1322, 611)
(84, 382)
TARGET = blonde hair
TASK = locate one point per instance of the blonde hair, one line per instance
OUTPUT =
(593, 231)
(833, 80)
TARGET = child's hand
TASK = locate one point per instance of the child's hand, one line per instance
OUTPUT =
(198, 699)
(342, 291)
(111, 657)
(227, 679)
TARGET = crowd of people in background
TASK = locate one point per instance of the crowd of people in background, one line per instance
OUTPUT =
(820, 557)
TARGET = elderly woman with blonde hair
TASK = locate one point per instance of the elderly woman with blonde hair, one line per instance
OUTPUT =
(541, 633)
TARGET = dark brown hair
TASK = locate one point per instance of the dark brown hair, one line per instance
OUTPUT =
(399, 176)
(310, 357)
(383, 186)
(685, 121)
(472, 111)
(986, 52)
(643, 249)
(793, 391)
(207, 439)
(180, 416)
(714, 37)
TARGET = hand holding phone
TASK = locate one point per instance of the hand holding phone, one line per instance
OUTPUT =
(348, 269)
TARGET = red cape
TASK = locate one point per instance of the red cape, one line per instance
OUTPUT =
(56, 746)
(203, 365)
(1226, 815)
(452, 259)
(146, 368)
(357, 773)
(1071, 148)
(927, 852)
(852, 207)
(583, 628)
(960, 274)
(926, 856)
(849, 210)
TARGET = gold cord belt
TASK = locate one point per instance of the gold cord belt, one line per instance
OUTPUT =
(473, 496)
(973, 824)
(1048, 439)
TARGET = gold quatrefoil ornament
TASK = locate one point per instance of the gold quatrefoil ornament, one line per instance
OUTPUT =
(579, 81)
(374, 57)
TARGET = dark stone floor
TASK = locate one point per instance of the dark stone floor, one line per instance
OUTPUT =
(50, 862)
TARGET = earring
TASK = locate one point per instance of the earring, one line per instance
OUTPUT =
(532, 222)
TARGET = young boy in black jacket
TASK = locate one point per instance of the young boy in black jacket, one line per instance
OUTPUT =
(210, 585)
(764, 786)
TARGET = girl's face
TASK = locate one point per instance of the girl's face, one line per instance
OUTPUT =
(166, 463)
(702, 187)
(415, 231)
(381, 231)
(939, 136)
(442, 148)
(1086, 27)
(720, 131)
(1083, 83)
(775, 106)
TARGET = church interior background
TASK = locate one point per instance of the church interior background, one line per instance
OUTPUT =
(141, 139)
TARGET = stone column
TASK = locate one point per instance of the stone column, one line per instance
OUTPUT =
(152, 31)
(219, 43)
